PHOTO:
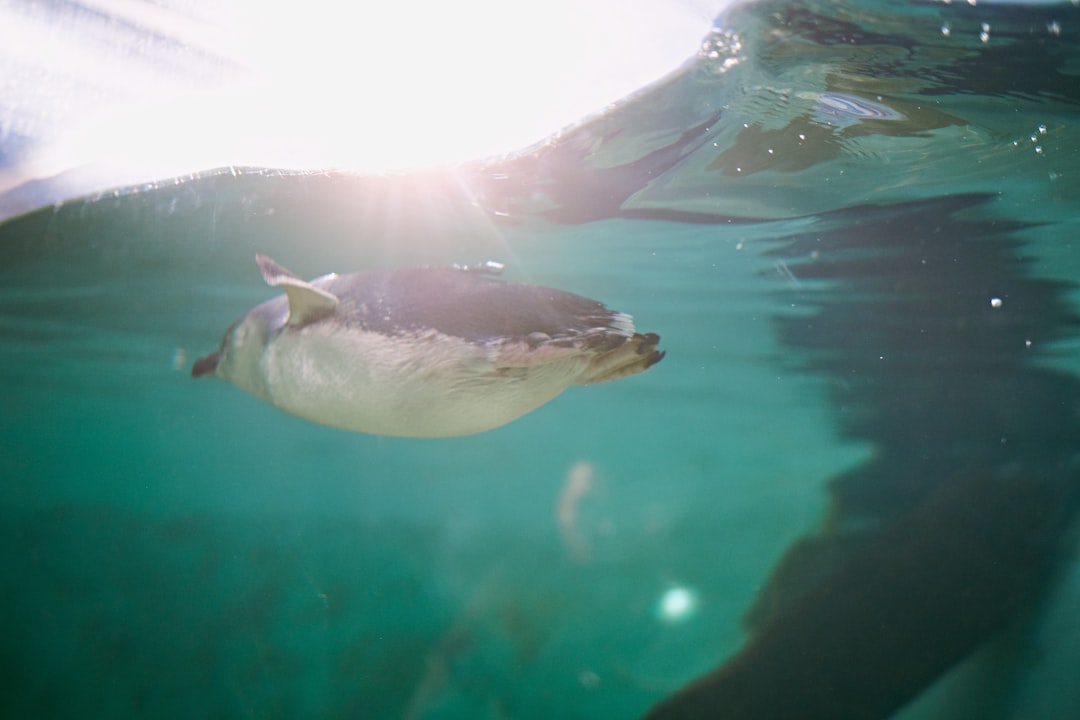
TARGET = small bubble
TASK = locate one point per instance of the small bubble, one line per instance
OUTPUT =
(986, 27)
(1042, 129)
(1038, 150)
(984, 36)
(945, 30)
(1027, 343)
(995, 302)
(1034, 138)
(1053, 27)
(770, 151)
(801, 136)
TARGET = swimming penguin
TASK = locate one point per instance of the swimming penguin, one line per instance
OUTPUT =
(422, 352)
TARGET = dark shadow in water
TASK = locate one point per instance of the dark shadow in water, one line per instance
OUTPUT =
(927, 324)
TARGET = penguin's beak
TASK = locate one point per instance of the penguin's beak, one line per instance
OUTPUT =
(206, 365)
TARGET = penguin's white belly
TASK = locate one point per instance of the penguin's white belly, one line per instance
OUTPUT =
(426, 385)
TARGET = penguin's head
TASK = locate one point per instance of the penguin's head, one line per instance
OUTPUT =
(238, 358)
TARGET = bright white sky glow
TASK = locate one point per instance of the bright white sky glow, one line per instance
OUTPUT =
(366, 86)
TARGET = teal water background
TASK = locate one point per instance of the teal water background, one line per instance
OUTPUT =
(174, 548)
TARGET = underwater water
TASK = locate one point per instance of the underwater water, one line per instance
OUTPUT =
(848, 491)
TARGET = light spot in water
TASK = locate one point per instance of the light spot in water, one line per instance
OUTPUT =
(995, 302)
(588, 678)
(677, 604)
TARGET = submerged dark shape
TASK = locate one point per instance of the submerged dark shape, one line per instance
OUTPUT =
(900, 611)
(422, 352)
(955, 527)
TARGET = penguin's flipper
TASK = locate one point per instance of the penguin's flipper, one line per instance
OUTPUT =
(307, 303)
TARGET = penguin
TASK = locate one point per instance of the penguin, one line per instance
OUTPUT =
(422, 352)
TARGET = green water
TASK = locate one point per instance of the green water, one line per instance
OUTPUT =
(175, 548)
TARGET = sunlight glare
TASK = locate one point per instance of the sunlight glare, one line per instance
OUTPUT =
(377, 87)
